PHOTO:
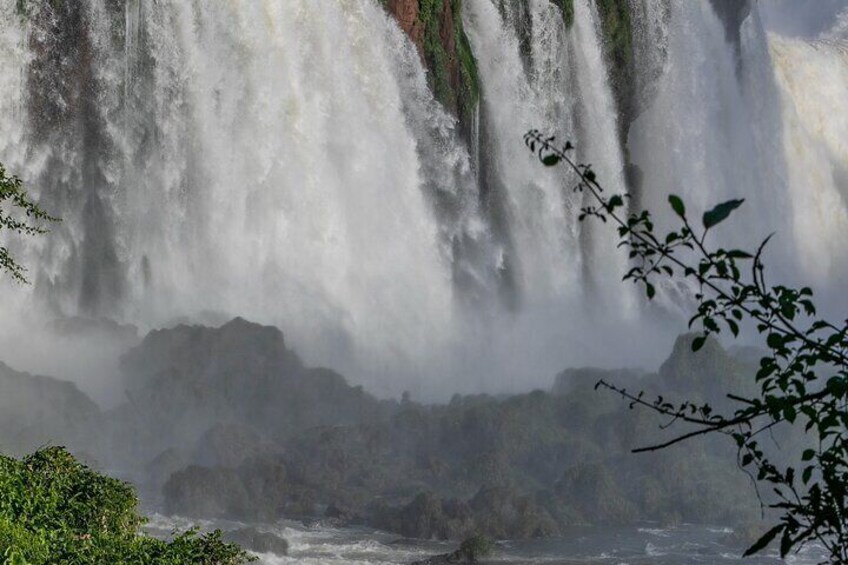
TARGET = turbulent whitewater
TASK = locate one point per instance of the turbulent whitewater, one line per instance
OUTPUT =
(286, 161)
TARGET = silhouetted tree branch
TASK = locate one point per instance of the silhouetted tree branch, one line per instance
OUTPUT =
(802, 348)
(18, 214)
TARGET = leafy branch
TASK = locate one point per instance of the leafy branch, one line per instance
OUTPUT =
(803, 378)
(21, 215)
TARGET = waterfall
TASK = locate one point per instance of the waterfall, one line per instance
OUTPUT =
(14, 57)
(813, 80)
(712, 130)
(263, 163)
(286, 161)
(562, 84)
(650, 45)
(762, 124)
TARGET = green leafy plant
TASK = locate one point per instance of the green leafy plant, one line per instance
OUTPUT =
(18, 214)
(802, 380)
(53, 509)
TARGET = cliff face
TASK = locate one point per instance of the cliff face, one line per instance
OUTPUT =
(435, 26)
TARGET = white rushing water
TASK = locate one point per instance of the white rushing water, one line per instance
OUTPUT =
(681, 545)
(813, 79)
(285, 161)
(254, 158)
(712, 131)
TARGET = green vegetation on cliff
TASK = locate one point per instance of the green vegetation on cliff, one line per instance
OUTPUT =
(567, 7)
(617, 31)
(435, 26)
(447, 54)
(53, 509)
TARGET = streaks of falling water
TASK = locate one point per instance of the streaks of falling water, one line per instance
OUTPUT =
(707, 134)
(286, 161)
(247, 157)
(565, 88)
(813, 80)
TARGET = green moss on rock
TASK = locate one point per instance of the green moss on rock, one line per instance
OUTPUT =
(469, 81)
(438, 32)
(617, 31)
(567, 7)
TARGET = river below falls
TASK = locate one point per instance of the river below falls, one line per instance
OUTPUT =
(679, 545)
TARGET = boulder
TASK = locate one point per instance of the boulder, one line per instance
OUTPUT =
(259, 489)
(471, 551)
(183, 383)
(586, 377)
(505, 513)
(230, 445)
(594, 492)
(206, 493)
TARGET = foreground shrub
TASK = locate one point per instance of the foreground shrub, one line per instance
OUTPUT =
(53, 509)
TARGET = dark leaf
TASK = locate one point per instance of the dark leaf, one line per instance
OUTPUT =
(650, 291)
(763, 541)
(677, 205)
(785, 543)
(720, 212)
(739, 254)
(550, 160)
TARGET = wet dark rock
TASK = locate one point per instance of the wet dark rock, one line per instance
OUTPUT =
(338, 516)
(593, 491)
(732, 14)
(36, 411)
(183, 381)
(160, 469)
(708, 374)
(228, 423)
(515, 467)
(258, 541)
(426, 516)
(471, 550)
(570, 379)
(506, 513)
(230, 445)
(436, 28)
(209, 493)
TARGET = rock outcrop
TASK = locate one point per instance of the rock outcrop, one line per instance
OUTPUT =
(37, 411)
(472, 550)
(229, 423)
(435, 26)
(258, 541)
(183, 381)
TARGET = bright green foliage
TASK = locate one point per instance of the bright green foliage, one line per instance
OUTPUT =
(55, 510)
(453, 73)
(461, 97)
(802, 381)
(19, 214)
